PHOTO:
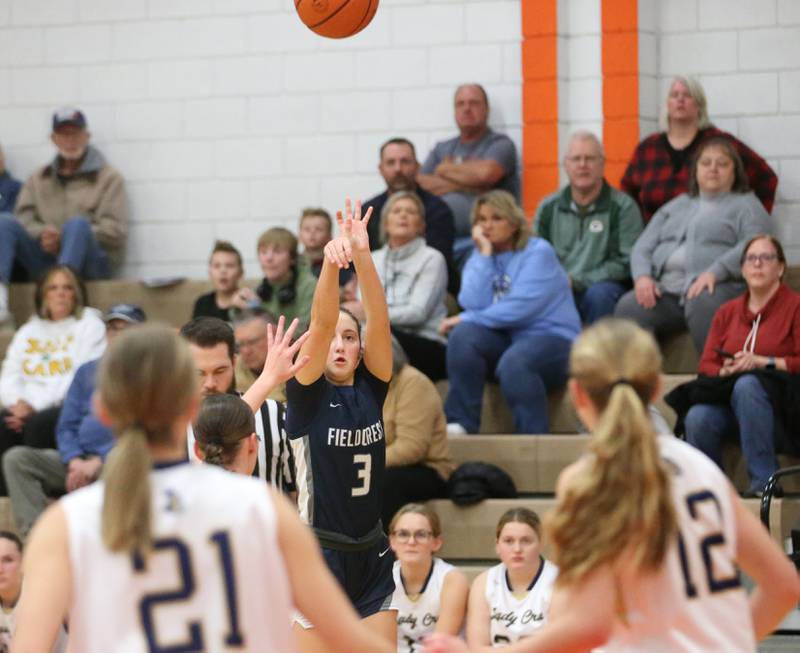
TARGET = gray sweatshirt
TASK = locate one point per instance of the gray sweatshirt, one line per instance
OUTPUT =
(414, 278)
(715, 230)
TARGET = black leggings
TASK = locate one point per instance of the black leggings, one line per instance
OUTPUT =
(39, 431)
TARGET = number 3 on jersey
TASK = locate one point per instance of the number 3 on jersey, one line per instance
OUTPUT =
(363, 463)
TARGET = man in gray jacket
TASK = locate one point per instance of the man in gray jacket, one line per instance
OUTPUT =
(72, 211)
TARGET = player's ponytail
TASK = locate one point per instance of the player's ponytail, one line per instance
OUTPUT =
(146, 384)
(222, 425)
(620, 503)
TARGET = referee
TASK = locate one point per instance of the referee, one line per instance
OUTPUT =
(213, 348)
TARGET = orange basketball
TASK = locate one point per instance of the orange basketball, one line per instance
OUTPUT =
(336, 19)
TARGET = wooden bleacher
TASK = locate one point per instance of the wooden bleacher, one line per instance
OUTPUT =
(533, 461)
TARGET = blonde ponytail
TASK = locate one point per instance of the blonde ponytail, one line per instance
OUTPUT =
(146, 383)
(126, 524)
(620, 503)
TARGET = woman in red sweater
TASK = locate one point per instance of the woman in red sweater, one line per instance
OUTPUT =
(758, 330)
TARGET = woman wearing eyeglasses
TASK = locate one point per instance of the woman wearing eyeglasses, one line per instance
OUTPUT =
(518, 322)
(511, 600)
(757, 331)
(430, 594)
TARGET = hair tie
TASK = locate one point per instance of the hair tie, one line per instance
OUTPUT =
(621, 381)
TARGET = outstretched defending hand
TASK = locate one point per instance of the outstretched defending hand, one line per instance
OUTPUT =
(442, 643)
(352, 237)
(280, 363)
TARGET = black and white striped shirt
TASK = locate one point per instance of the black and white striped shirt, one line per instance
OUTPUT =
(275, 463)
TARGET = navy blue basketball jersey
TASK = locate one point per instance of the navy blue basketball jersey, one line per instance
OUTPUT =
(340, 452)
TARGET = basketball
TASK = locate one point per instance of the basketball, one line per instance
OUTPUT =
(336, 19)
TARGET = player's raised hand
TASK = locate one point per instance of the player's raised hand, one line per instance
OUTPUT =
(353, 224)
(280, 362)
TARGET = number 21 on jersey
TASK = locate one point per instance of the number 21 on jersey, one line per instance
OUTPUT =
(149, 603)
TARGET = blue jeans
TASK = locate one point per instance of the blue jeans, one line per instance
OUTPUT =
(79, 250)
(749, 417)
(598, 300)
(526, 369)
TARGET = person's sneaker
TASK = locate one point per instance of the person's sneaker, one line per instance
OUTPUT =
(454, 428)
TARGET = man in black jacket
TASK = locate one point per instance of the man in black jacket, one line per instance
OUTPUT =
(398, 167)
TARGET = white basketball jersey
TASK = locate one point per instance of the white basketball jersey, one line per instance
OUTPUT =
(417, 619)
(512, 618)
(215, 580)
(695, 603)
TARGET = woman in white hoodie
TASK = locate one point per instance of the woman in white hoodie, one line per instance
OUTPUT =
(414, 277)
(42, 359)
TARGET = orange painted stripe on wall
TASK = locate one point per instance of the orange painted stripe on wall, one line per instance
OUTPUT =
(539, 101)
(620, 64)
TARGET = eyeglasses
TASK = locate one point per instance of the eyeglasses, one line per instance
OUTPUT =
(404, 536)
(752, 259)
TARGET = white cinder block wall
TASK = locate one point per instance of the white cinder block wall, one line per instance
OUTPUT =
(228, 116)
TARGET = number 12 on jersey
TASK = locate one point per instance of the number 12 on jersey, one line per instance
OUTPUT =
(706, 546)
(183, 559)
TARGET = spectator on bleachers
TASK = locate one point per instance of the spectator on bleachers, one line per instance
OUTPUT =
(519, 588)
(418, 461)
(225, 270)
(474, 162)
(9, 187)
(750, 335)
(430, 595)
(288, 285)
(250, 330)
(314, 232)
(42, 359)
(33, 474)
(73, 211)
(660, 168)
(592, 227)
(518, 323)
(685, 264)
(11, 590)
(414, 278)
(399, 167)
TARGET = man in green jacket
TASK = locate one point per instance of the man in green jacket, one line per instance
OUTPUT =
(592, 227)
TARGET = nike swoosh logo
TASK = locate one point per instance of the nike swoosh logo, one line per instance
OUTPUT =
(383, 553)
(335, 405)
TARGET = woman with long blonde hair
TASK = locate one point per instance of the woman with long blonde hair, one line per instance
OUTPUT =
(648, 533)
(163, 554)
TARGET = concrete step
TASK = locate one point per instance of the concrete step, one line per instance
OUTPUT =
(496, 416)
(534, 461)
(469, 535)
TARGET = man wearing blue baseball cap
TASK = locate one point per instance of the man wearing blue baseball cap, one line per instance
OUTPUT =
(33, 475)
(71, 211)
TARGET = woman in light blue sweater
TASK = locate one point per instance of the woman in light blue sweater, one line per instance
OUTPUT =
(518, 322)
(686, 263)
